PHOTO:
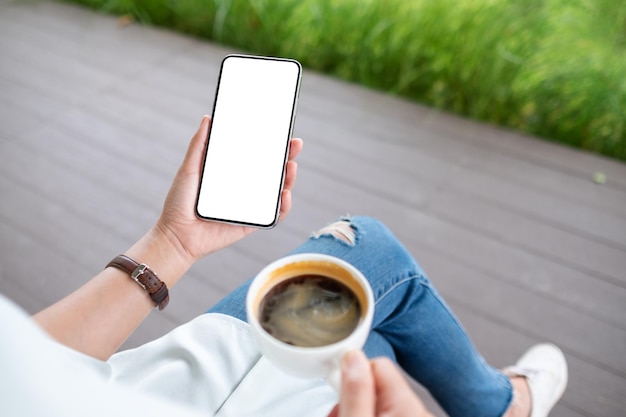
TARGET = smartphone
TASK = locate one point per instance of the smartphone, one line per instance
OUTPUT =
(248, 144)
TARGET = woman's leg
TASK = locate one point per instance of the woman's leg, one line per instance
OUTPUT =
(412, 324)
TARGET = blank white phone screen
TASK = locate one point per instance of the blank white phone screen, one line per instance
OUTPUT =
(249, 139)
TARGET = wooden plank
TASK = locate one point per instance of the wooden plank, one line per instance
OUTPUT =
(35, 59)
(535, 203)
(579, 189)
(192, 75)
(614, 224)
(39, 56)
(366, 107)
(24, 299)
(156, 128)
(27, 109)
(152, 150)
(35, 266)
(89, 191)
(449, 143)
(172, 101)
(40, 80)
(588, 222)
(597, 259)
(92, 35)
(78, 48)
(16, 121)
(21, 248)
(45, 221)
(542, 153)
(591, 257)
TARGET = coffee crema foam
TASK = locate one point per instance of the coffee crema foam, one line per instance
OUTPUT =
(310, 311)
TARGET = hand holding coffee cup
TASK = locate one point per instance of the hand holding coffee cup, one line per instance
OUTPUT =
(307, 311)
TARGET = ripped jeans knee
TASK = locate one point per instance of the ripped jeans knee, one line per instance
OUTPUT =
(342, 230)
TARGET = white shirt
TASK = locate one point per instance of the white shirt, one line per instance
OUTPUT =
(210, 366)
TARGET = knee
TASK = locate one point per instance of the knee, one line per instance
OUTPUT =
(342, 230)
(371, 234)
(375, 231)
(387, 246)
(369, 224)
(348, 230)
(368, 244)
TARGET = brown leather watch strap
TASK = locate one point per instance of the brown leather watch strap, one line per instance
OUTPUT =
(145, 277)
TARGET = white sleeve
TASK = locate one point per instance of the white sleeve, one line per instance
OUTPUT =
(40, 377)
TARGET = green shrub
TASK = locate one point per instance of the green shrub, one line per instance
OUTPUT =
(552, 68)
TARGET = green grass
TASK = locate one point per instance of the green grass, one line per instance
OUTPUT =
(551, 68)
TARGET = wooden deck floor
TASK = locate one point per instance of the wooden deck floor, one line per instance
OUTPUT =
(94, 120)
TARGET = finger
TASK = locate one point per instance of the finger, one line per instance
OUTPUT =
(357, 386)
(195, 152)
(285, 204)
(393, 393)
(295, 147)
(291, 172)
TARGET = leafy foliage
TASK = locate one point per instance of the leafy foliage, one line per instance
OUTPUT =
(552, 68)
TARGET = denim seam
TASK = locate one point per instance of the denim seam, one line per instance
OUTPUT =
(411, 277)
(426, 284)
(484, 364)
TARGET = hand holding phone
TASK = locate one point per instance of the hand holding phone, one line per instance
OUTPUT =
(248, 142)
(194, 237)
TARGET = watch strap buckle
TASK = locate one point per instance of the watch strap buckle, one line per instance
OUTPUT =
(141, 268)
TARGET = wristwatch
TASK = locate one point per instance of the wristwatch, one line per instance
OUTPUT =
(145, 278)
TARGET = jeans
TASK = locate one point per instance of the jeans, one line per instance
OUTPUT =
(412, 324)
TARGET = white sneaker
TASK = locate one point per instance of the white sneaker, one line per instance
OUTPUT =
(545, 370)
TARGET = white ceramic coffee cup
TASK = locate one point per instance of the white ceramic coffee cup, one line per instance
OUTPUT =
(310, 362)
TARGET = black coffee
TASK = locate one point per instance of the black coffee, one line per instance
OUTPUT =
(310, 311)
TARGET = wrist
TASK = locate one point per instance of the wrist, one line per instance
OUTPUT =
(163, 253)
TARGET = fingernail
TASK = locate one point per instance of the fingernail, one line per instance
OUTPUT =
(354, 364)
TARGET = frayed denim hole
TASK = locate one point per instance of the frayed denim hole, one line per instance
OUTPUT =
(341, 230)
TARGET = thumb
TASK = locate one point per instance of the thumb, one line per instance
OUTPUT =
(394, 395)
(357, 386)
